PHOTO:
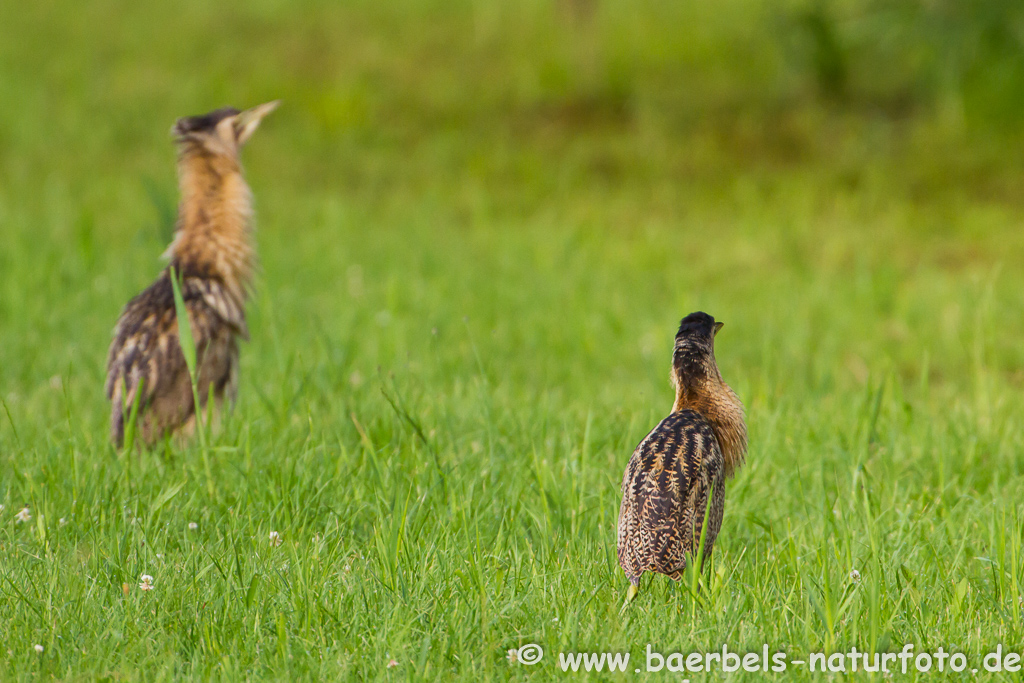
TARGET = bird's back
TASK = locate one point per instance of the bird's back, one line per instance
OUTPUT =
(145, 355)
(665, 493)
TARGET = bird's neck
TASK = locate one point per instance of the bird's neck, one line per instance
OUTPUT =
(214, 235)
(716, 401)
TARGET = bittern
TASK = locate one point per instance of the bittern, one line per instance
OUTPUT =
(213, 257)
(682, 463)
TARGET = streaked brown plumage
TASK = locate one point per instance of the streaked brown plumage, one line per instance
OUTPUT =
(213, 256)
(681, 462)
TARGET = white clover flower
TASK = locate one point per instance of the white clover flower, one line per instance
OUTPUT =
(62, 521)
(275, 539)
(392, 664)
(38, 648)
(23, 516)
(854, 576)
(512, 656)
(192, 526)
(555, 620)
(146, 582)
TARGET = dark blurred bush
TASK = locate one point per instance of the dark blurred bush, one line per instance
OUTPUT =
(963, 56)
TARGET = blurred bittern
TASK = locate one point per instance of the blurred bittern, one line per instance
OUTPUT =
(213, 257)
(681, 463)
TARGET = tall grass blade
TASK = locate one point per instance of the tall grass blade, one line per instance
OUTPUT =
(188, 349)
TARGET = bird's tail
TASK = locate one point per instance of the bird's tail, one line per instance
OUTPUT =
(124, 404)
(117, 427)
(117, 419)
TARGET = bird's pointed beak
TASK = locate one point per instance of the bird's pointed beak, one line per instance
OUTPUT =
(718, 326)
(248, 121)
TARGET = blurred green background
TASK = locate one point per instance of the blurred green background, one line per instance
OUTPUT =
(829, 135)
(486, 219)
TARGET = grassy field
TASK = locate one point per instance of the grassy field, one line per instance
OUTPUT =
(479, 227)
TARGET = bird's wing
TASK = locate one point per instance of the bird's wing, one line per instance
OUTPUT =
(145, 349)
(657, 494)
(222, 301)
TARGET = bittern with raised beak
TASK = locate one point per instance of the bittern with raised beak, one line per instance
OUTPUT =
(213, 257)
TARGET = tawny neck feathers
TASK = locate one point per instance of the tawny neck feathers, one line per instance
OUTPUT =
(700, 387)
(214, 220)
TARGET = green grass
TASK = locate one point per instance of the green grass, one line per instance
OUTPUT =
(478, 229)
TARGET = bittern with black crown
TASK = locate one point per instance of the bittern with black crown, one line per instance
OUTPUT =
(681, 466)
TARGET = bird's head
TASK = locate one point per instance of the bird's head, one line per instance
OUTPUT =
(694, 354)
(221, 132)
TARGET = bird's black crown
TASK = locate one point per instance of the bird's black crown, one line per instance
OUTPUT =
(203, 122)
(694, 352)
(697, 324)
